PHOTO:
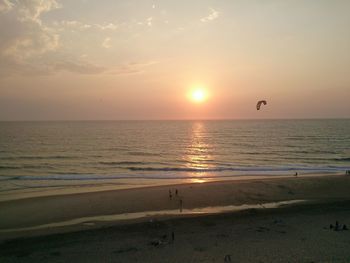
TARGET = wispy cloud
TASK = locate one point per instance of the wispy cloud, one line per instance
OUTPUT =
(107, 26)
(214, 14)
(149, 21)
(81, 67)
(32, 9)
(132, 68)
(23, 34)
(29, 46)
(5, 6)
(71, 24)
(106, 43)
(77, 25)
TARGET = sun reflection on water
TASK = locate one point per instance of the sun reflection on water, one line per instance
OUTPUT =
(198, 157)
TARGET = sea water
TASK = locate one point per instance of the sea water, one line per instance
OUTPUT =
(42, 155)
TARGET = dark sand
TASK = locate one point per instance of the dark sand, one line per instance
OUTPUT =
(297, 233)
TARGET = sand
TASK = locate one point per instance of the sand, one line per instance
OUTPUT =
(297, 233)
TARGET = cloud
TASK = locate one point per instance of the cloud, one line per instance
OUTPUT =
(77, 25)
(24, 37)
(109, 26)
(71, 24)
(132, 68)
(214, 14)
(5, 6)
(32, 9)
(81, 67)
(29, 46)
(107, 43)
(149, 21)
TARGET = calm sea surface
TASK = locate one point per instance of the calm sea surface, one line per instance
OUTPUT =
(59, 154)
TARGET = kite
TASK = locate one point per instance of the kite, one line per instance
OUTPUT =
(258, 105)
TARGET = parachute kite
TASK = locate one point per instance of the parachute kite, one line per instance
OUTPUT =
(258, 105)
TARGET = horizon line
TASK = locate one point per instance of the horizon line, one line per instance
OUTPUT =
(209, 119)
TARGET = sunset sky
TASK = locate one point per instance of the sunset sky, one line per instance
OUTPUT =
(138, 59)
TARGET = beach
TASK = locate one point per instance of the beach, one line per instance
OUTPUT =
(85, 227)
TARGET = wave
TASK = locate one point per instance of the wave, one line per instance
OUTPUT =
(82, 177)
(26, 166)
(237, 169)
(179, 173)
(120, 163)
(128, 163)
(345, 159)
(6, 167)
(37, 157)
(143, 154)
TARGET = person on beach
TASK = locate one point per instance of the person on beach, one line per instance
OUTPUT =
(180, 205)
(170, 195)
(227, 258)
(336, 228)
(176, 192)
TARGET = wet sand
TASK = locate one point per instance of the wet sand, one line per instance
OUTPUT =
(296, 233)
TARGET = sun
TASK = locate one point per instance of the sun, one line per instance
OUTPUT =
(198, 95)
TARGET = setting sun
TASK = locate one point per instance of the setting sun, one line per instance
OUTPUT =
(198, 95)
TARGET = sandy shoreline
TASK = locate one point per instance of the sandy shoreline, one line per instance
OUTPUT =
(49, 209)
(294, 233)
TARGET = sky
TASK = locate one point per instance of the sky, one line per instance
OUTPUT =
(139, 59)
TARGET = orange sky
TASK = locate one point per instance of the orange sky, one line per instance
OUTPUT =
(105, 60)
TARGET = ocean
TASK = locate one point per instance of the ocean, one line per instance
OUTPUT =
(72, 154)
